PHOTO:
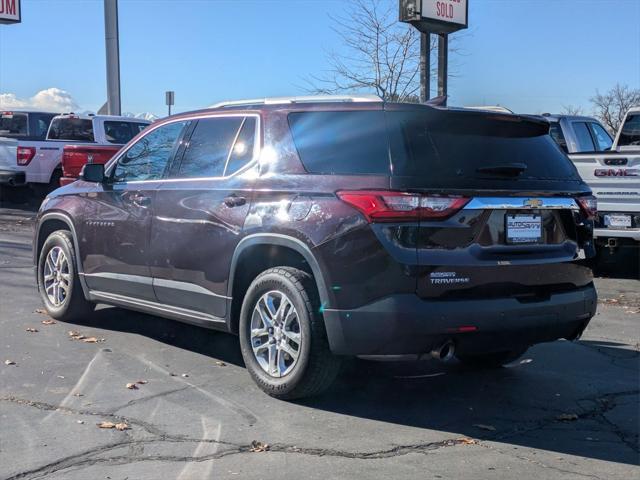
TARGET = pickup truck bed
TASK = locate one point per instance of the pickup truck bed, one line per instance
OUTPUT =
(75, 157)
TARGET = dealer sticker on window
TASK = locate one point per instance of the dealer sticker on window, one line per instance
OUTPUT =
(524, 228)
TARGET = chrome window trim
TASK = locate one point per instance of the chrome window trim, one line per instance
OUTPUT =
(257, 147)
(519, 203)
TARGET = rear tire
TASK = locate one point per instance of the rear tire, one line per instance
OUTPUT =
(65, 302)
(312, 368)
(490, 360)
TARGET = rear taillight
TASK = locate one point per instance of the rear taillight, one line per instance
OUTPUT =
(388, 206)
(589, 206)
(24, 155)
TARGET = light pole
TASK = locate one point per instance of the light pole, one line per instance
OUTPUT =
(113, 56)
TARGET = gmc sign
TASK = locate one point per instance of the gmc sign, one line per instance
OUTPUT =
(10, 11)
(616, 172)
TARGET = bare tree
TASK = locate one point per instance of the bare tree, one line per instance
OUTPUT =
(572, 110)
(611, 107)
(381, 55)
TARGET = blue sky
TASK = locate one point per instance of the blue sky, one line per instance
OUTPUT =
(528, 55)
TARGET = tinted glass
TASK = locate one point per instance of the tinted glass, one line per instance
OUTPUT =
(555, 130)
(14, 125)
(42, 123)
(209, 147)
(449, 149)
(630, 134)
(585, 142)
(601, 137)
(121, 132)
(148, 158)
(242, 152)
(73, 129)
(346, 143)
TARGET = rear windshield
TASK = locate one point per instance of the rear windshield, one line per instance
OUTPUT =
(630, 134)
(72, 129)
(120, 132)
(451, 147)
(14, 125)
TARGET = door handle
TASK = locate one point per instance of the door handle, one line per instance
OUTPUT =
(234, 201)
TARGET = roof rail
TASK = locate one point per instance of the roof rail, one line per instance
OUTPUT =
(301, 99)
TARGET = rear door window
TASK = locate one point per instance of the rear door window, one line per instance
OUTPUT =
(583, 136)
(120, 132)
(72, 129)
(341, 143)
(209, 147)
(630, 134)
(601, 136)
(14, 125)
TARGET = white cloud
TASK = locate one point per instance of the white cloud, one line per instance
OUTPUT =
(50, 100)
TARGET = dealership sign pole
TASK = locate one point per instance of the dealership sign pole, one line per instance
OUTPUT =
(441, 17)
(10, 11)
(113, 56)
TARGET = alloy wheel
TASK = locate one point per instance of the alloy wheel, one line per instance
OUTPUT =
(275, 334)
(56, 275)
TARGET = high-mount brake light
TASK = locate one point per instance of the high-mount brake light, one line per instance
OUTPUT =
(589, 206)
(392, 206)
(24, 155)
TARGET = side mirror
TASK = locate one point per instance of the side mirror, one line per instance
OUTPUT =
(93, 172)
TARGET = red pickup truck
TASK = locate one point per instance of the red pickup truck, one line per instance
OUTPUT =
(74, 157)
(91, 139)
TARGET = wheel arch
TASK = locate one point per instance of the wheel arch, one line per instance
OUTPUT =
(289, 252)
(49, 223)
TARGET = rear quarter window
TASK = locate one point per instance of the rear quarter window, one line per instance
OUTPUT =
(72, 129)
(120, 132)
(341, 143)
(14, 125)
(630, 134)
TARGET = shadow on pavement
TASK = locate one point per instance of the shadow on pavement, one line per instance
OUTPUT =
(517, 406)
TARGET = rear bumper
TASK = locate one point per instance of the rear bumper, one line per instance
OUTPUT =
(405, 324)
(12, 177)
(633, 233)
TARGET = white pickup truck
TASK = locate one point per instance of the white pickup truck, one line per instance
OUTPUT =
(614, 178)
(41, 159)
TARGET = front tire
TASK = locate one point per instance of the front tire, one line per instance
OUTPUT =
(282, 335)
(58, 279)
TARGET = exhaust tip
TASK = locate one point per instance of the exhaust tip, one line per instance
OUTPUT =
(444, 352)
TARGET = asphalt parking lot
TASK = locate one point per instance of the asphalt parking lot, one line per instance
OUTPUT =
(565, 410)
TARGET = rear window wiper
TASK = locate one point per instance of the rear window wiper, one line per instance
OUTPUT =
(507, 169)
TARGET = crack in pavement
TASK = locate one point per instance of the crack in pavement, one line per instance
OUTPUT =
(602, 404)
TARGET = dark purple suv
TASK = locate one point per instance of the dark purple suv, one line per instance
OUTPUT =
(320, 228)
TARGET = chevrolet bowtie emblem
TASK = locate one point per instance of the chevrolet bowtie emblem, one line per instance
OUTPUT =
(533, 203)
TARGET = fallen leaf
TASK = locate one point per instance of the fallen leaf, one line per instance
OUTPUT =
(491, 428)
(48, 322)
(41, 311)
(106, 425)
(32, 330)
(76, 335)
(9, 362)
(132, 386)
(122, 426)
(185, 375)
(141, 382)
(567, 417)
(467, 441)
(221, 364)
(90, 340)
(257, 447)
